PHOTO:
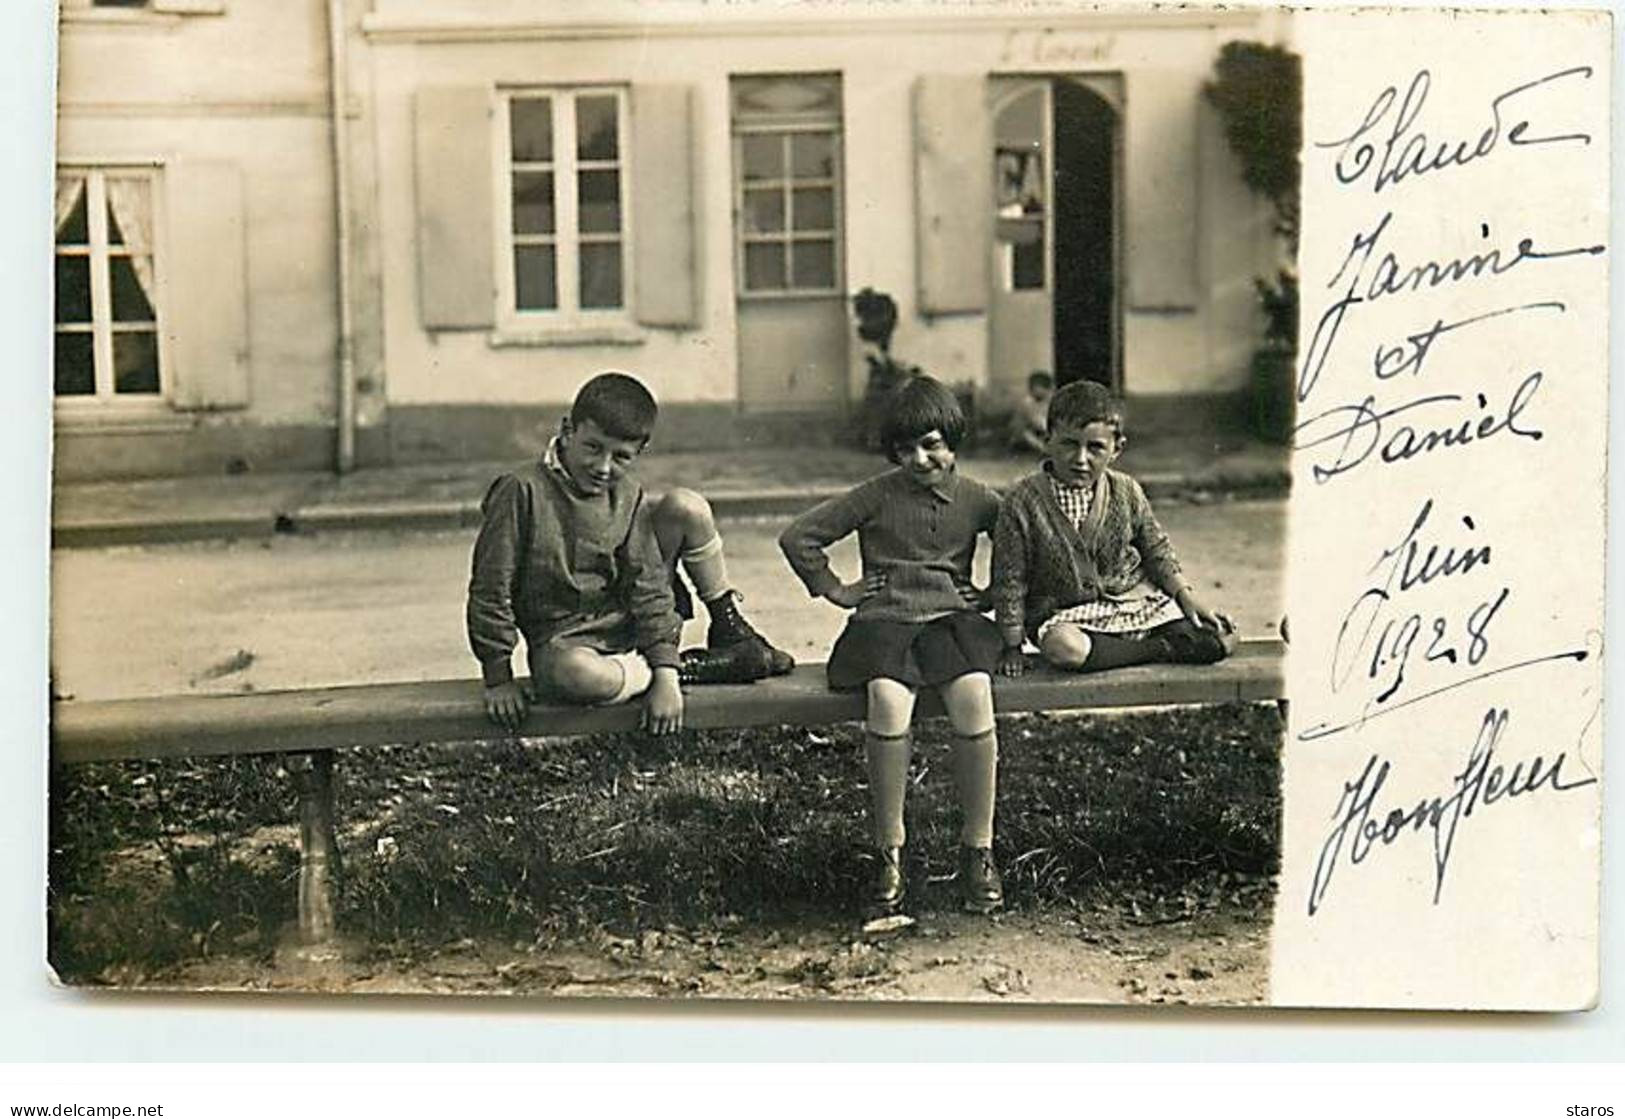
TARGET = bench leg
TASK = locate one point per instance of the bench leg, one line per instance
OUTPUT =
(318, 853)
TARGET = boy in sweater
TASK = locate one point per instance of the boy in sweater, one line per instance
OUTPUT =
(1080, 565)
(576, 558)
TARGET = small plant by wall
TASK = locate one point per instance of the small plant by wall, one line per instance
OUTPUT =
(1258, 92)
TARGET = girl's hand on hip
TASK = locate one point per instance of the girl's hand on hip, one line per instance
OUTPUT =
(979, 600)
(849, 596)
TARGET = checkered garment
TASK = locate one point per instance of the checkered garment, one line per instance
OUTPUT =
(1132, 613)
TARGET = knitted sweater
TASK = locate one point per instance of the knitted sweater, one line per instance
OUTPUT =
(1042, 564)
(922, 539)
(551, 562)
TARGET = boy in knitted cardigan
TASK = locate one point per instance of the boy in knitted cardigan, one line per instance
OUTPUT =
(1080, 565)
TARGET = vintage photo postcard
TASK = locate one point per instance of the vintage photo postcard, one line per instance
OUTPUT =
(953, 502)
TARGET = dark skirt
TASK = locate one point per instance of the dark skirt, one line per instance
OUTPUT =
(920, 654)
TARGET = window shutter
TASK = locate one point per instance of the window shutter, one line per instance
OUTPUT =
(1160, 199)
(663, 212)
(205, 293)
(953, 181)
(454, 167)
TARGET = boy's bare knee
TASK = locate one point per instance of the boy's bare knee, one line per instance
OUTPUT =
(1066, 646)
(687, 510)
(582, 675)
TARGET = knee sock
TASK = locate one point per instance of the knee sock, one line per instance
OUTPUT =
(1107, 650)
(976, 758)
(706, 568)
(887, 758)
(1185, 642)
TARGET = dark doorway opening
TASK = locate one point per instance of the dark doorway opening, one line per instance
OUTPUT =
(1085, 204)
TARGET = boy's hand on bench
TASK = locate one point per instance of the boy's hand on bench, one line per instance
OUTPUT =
(506, 705)
(1012, 662)
(1200, 615)
(663, 705)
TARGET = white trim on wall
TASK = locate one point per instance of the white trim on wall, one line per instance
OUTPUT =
(464, 28)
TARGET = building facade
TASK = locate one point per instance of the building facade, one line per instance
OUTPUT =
(534, 192)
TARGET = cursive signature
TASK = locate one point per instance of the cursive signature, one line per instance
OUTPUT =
(1411, 354)
(1391, 276)
(1356, 431)
(1407, 151)
(1482, 783)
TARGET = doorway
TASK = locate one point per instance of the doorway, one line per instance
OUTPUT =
(788, 241)
(1057, 158)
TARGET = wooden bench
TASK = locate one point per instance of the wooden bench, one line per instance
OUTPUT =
(311, 724)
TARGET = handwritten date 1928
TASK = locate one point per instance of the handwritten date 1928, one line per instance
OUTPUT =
(1388, 652)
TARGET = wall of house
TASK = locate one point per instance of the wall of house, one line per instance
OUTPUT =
(1192, 241)
(244, 84)
(247, 88)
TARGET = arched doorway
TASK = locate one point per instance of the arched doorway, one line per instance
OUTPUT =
(1085, 310)
(1055, 304)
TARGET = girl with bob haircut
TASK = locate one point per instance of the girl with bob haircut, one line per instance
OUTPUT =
(916, 623)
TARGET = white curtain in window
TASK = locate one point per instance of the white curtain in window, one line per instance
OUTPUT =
(68, 193)
(131, 207)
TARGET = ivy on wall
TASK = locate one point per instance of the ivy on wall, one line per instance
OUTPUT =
(1257, 90)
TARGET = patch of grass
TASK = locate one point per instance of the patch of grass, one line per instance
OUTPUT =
(156, 861)
(1175, 807)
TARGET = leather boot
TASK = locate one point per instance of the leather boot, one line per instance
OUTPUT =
(979, 883)
(729, 628)
(890, 884)
(740, 664)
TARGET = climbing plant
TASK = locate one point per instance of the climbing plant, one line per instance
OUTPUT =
(1257, 90)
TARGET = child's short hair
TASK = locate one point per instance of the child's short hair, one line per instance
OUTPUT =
(1085, 402)
(1039, 379)
(921, 405)
(617, 403)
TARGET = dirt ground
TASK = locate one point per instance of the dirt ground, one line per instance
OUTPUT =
(1101, 957)
(1218, 956)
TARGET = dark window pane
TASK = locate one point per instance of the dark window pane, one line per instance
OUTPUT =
(764, 267)
(1027, 265)
(763, 157)
(75, 368)
(530, 128)
(130, 302)
(812, 155)
(75, 228)
(73, 289)
(533, 202)
(764, 210)
(535, 286)
(119, 3)
(596, 128)
(601, 275)
(812, 264)
(814, 209)
(600, 202)
(135, 362)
